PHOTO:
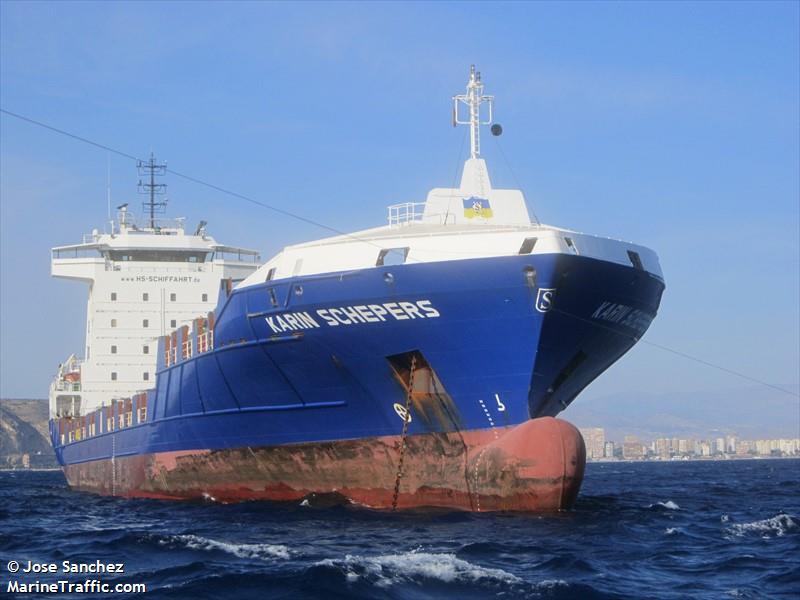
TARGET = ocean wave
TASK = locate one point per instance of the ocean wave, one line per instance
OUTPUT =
(668, 505)
(777, 526)
(673, 530)
(254, 551)
(388, 569)
(741, 593)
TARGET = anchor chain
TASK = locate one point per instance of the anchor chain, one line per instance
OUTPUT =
(406, 419)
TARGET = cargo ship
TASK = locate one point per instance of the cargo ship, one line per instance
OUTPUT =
(421, 363)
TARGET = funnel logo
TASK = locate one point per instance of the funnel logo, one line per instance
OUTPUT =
(477, 207)
(544, 299)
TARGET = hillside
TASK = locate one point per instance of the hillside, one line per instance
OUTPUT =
(24, 435)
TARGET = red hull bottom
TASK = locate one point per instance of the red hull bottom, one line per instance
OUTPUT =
(535, 466)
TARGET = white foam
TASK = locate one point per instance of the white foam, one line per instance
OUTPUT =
(778, 526)
(672, 530)
(259, 551)
(549, 584)
(389, 569)
(669, 505)
(741, 593)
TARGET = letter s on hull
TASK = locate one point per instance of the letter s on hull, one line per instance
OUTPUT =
(544, 299)
(429, 311)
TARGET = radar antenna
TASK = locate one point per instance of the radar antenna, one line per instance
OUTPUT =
(152, 169)
(473, 100)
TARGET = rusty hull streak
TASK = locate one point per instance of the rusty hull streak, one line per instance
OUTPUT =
(535, 466)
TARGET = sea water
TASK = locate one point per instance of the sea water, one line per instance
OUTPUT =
(727, 529)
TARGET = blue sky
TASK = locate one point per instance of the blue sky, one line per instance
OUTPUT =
(674, 125)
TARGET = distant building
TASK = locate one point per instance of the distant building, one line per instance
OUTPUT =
(663, 447)
(632, 449)
(608, 449)
(672, 448)
(595, 438)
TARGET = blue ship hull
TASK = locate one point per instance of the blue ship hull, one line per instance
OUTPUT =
(504, 340)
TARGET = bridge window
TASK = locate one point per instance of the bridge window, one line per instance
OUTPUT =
(636, 260)
(173, 323)
(113, 296)
(173, 297)
(113, 322)
(527, 245)
(145, 296)
(392, 256)
(113, 375)
(113, 349)
(145, 323)
(146, 376)
(145, 349)
(159, 256)
(205, 298)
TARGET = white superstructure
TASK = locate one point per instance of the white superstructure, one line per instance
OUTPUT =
(144, 281)
(473, 220)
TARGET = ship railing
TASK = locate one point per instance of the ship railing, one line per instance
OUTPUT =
(171, 355)
(121, 413)
(184, 267)
(406, 213)
(205, 342)
(229, 253)
(66, 386)
(72, 364)
(195, 339)
(164, 226)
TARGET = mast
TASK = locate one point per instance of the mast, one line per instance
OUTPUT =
(473, 100)
(152, 169)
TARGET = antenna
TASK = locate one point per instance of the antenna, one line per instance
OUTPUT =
(473, 100)
(152, 169)
(108, 184)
